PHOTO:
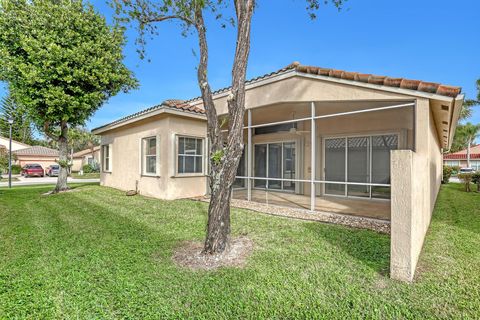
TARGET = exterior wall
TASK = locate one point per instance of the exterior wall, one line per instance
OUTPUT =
(126, 159)
(79, 162)
(43, 161)
(298, 89)
(416, 180)
(15, 145)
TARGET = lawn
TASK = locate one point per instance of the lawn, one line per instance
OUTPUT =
(6, 179)
(95, 253)
(93, 175)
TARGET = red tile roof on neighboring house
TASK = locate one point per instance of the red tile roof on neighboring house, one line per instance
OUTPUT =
(190, 106)
(462, 155)
(37, 151)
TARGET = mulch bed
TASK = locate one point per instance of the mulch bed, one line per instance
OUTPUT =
(189, 255)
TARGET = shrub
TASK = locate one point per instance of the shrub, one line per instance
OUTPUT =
(466, 178)
(16, 169)
(87, 168)
(447, 173)
(476, 180)
(455, 169)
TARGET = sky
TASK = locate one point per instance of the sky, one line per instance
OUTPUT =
(430, 40)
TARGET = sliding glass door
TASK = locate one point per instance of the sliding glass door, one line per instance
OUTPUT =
(275, 161)
(362, 159)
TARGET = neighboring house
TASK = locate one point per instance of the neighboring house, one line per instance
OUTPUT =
(459, 158)
(15, 144)
(317, 139)
(37, 154)
(81, 158)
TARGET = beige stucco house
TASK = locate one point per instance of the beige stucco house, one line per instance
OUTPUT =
(89, 156)
(37, 154)
(316, 139)
(5, 142)
(460, 158)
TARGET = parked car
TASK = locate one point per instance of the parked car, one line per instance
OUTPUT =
(34, 169)
(467, 170)
(52, 170)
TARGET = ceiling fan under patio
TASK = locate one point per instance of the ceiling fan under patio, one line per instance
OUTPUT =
(294, 129)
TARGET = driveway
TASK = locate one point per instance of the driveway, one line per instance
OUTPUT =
(22, 181)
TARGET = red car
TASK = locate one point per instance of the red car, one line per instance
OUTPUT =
(31, 170)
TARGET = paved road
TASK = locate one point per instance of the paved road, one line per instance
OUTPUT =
(22, 181)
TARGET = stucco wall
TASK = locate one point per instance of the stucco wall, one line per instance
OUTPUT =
(126, 158)
(416, 179)
(43, 161)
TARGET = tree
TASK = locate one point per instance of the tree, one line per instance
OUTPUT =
(22, 128)
(464, 138)
(224, 151)
(62, 61)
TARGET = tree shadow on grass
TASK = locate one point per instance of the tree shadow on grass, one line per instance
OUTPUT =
(369, 248)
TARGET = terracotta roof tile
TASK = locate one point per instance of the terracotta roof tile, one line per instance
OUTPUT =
(462, 154)
(409, 84)
(418, 85)
(37, 151)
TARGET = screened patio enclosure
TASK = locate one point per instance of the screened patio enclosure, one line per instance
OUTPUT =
(324, 156)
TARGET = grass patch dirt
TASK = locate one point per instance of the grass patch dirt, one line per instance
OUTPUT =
(96, 253)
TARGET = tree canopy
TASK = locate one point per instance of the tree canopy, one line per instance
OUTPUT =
(61, 61)
(22, 128)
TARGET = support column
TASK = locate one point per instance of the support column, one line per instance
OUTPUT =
(313, 163)
(249, 156)
(402, 257)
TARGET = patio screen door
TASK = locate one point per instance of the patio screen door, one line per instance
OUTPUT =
(275, 161)
(362, 159)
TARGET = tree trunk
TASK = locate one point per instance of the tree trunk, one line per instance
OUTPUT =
(468, 152)
(224, 155)
(62, 159)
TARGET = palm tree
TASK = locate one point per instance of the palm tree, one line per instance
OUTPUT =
(469, 132)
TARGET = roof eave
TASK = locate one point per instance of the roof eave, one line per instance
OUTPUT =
(155, 112)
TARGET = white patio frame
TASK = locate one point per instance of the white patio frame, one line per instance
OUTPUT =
(313, 143)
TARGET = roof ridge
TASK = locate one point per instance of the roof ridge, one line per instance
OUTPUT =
(393, 82)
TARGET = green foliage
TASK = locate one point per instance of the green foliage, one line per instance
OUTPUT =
(22, 130)
(4, 159)
(464, 135)
(217, 156)
(81, 138)
(447, 173)
(476, 179)
(66, 63)
(16, 169)
(87, 168)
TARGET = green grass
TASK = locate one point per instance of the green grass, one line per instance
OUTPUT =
(6, 179)
(93, 175)
(95, 253)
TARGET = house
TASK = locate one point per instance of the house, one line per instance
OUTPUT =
(459, 159)
(89, 156)
(15, 144)
(315, 138)
(37, 154)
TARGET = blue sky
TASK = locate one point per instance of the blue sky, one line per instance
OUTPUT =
(431, 40)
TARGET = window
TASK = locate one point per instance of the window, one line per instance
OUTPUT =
(475, 164)
(149, 155)
(190, 155)
(106, 158)
(452, 163)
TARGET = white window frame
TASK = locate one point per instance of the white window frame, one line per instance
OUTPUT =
(108, 159)
(401, 138)
(177, 154)
(452, 163)
(143, 158)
